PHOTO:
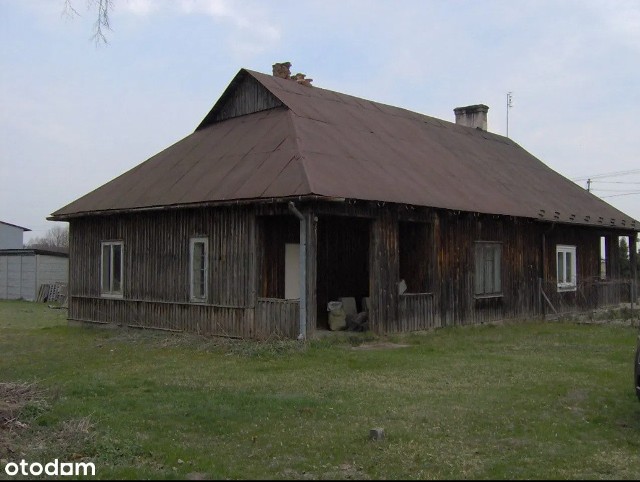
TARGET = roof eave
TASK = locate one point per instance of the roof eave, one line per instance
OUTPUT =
(205, 204)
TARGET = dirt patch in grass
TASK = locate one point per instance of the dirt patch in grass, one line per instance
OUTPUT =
(14, 397)
(20, 406)
(381, 345)
(17, 400)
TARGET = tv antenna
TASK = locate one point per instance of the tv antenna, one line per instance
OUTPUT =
(509, 106)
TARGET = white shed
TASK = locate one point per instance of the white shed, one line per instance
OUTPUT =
(11, 235)
(22, 271)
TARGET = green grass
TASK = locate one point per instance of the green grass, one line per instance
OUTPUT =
(517, 401)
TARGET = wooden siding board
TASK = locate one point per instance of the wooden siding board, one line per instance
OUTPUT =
(203, 319)
(277, 317)
(248, 98)
(415, 312)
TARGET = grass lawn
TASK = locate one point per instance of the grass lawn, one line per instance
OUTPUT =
(517, 401)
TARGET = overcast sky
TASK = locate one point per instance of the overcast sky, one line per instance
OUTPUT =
(73, 116)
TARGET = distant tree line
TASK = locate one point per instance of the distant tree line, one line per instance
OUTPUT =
(56, 239)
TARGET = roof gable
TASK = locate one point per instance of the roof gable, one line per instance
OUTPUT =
(244, 95)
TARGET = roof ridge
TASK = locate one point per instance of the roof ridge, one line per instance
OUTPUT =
(305, 174)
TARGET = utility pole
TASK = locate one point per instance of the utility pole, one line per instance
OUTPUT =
(509, 106)
(589, 185)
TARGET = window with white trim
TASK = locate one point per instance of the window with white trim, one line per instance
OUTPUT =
(112, 268)
(199, 268)
(488, 274)
(566, 267)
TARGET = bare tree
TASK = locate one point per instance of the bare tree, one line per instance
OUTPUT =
(57, 238)
(103, 7)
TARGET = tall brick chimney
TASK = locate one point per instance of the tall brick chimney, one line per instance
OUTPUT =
(472, 116)
(282, 70)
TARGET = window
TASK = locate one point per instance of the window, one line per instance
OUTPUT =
(112, 268)
(566, 267)
(198, 269)
(488, 279)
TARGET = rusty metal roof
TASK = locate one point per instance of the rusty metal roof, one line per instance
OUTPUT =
(328, 144)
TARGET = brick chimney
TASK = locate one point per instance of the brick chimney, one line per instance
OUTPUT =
(282, 70)
(300, 79)
(472, 116)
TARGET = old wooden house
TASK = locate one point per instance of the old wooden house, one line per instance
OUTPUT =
(288, 196)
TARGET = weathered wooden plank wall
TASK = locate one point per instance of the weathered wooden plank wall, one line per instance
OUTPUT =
(156, 274)
(384, 271)
(275, 232)
(455, 235)
(416, 263)
(355, 249)
(250, 97)
(191, 317)
(277, 317)
(415, 312)
(587, 243)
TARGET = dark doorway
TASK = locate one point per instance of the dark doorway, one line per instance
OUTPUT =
(342, 262)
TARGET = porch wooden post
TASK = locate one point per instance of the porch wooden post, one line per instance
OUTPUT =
(436, 275)
(384, 271)
(311, 269)
(633, 256)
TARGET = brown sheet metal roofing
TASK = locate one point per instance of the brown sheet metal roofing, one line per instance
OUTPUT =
(335, 145)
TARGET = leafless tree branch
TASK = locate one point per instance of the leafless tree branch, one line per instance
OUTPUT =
(101, 25)
(102, 22)
(68, 10)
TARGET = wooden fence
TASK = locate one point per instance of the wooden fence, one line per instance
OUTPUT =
(588, 294)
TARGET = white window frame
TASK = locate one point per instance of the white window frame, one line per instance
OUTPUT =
(567, 279)
(481, 264)
(192, 280)
(109, 291)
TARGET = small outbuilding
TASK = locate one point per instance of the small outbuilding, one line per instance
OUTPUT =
(24, 270)
(11, 235)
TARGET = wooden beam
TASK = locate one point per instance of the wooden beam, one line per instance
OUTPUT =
(311, 222)
(384, 271)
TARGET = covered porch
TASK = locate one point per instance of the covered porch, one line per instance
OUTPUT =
(360, 252)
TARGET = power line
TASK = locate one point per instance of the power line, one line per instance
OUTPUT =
(624, 194)
(616, 182)
(611, 190)
(607, 174)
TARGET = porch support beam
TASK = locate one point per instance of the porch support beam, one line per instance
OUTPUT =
(311, 268)
(633, 255)
(384, 271)
(303, 271)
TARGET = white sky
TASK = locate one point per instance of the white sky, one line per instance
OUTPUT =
(73, 116)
